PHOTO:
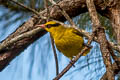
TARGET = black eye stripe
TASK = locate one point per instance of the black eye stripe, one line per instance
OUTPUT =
(57, 24)
(52, 25)
(48, 26)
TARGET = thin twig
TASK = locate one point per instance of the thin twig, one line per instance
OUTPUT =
(55, 55)
(52, 40)
(28, 8)
(63, 13)
(46, 7)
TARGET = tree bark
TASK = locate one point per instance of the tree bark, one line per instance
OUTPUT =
(103, 42)
(116, 70)
(115, 19)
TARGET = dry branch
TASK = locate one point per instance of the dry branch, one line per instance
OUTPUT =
(52, 40)
(115, 18)
(100, 34)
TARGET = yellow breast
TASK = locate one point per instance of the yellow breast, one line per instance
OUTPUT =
(70, 44)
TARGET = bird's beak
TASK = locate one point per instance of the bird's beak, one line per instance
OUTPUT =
(42, 26)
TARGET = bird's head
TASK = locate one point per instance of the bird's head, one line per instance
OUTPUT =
(51, 26)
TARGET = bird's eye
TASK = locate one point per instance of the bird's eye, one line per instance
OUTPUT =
(52, 25)
(48, 26)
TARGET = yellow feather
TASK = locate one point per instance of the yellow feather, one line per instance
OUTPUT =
(68, 40)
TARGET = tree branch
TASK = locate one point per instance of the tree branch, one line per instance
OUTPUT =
(64, 13)
(115, 19)
(101, 39)
(116, 70)
(52, 40)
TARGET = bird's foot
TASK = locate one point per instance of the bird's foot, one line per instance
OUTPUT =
(72, 62)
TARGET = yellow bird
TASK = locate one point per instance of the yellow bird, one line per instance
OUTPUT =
(68, 40)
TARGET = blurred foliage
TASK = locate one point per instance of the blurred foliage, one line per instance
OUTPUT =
(84, 22)
(108, 27)
(40, 53)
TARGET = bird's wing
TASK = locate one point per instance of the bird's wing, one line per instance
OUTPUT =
(77, 32)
